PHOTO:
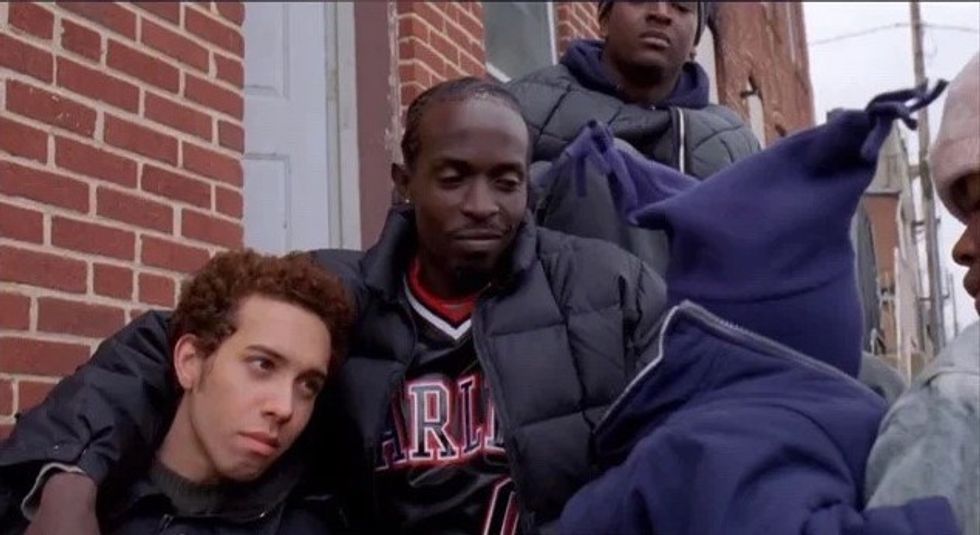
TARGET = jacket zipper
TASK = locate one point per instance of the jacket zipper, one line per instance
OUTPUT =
(771, 347)
(495, 389)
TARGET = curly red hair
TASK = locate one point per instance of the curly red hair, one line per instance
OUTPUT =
(209, 300)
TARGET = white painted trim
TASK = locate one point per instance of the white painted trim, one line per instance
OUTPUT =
(498, 74)
(343, 164)
(349, 161)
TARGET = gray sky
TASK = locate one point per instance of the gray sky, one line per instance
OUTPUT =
(849, 72)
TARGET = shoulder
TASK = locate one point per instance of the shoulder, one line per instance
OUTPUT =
(596, 270)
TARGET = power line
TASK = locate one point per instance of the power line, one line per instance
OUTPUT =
(876, 29)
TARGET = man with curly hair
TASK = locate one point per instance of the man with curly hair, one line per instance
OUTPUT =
(253, 340)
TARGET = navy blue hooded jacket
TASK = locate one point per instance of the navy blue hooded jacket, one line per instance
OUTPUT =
(749, 419)
(584, 59)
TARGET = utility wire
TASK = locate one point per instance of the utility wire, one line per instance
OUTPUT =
(892, 26)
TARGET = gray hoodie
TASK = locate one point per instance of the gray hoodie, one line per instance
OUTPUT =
(929, 442)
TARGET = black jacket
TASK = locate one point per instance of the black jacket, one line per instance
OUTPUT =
(684, 131)
(559, 335)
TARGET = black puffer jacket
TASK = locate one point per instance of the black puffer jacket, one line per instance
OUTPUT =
(684, 131)
(559, 101)
(559, 336)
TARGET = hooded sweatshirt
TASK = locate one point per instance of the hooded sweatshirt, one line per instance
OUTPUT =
(584, 59)
(750, 420)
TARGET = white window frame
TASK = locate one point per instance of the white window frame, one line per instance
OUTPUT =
(501, 76)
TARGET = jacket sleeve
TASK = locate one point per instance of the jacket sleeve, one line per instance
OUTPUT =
(113, 410)
(651, 305)
(929, 444)
(734, 478)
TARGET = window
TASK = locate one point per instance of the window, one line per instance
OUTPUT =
(520, 37)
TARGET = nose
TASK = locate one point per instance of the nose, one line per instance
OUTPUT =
(479, 202)
(966, 252)
(659, 11)
(279, 404)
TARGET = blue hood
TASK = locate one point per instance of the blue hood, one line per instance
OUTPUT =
(751, 244)
(728, 432)
(584, 59)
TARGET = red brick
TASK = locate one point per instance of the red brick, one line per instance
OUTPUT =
(15, 312)
(50, 108)
(142, 66)
(228, 202)
(49, 188)
(22, 140)
(93, 162)
(166, 10)
(42, 269)
(95, 84)
(134, 210)
(31, 393)
(213, 31)
(106, 14)
(212, 164)
(210, 229)
(231, 136)
(156, 290)
(40, 357)
(213, 96)
(93, 238)
(171, 255)
(233, 11)
(82, 319)
(112, 281)
(31, 18)
(230, 70)
(81, 40)
(175, 45)
(6, 402)
(140, 139)
(175, 186)
(178, 116)
(26, 59)
(21, 224)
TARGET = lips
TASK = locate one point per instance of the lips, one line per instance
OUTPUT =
(260, 442)
(655, 38)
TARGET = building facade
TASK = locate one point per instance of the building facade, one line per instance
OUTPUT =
(139, 138)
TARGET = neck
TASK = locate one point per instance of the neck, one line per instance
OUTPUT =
(182, 451)
(446, 282)
(649, 87)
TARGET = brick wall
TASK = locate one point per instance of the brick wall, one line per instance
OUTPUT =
(575, 20)
(765, 42)
(120, 140)
(438, 41)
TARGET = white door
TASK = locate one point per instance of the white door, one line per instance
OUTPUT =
(299, 192)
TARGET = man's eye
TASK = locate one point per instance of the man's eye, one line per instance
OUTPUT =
(311, 387)
(262, 364)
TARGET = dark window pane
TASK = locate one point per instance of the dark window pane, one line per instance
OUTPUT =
(518, 36)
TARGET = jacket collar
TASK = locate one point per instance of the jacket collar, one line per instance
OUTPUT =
(385, 264)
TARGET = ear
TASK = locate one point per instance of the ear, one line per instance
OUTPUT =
(188, 361)
(604, 26)
(400, 176)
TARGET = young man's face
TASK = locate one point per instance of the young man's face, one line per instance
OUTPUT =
(249, 400)
(469, 183)
(650, 35)
(966, 252)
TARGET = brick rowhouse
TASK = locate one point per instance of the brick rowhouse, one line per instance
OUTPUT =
(121, 139)
(120, 146)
